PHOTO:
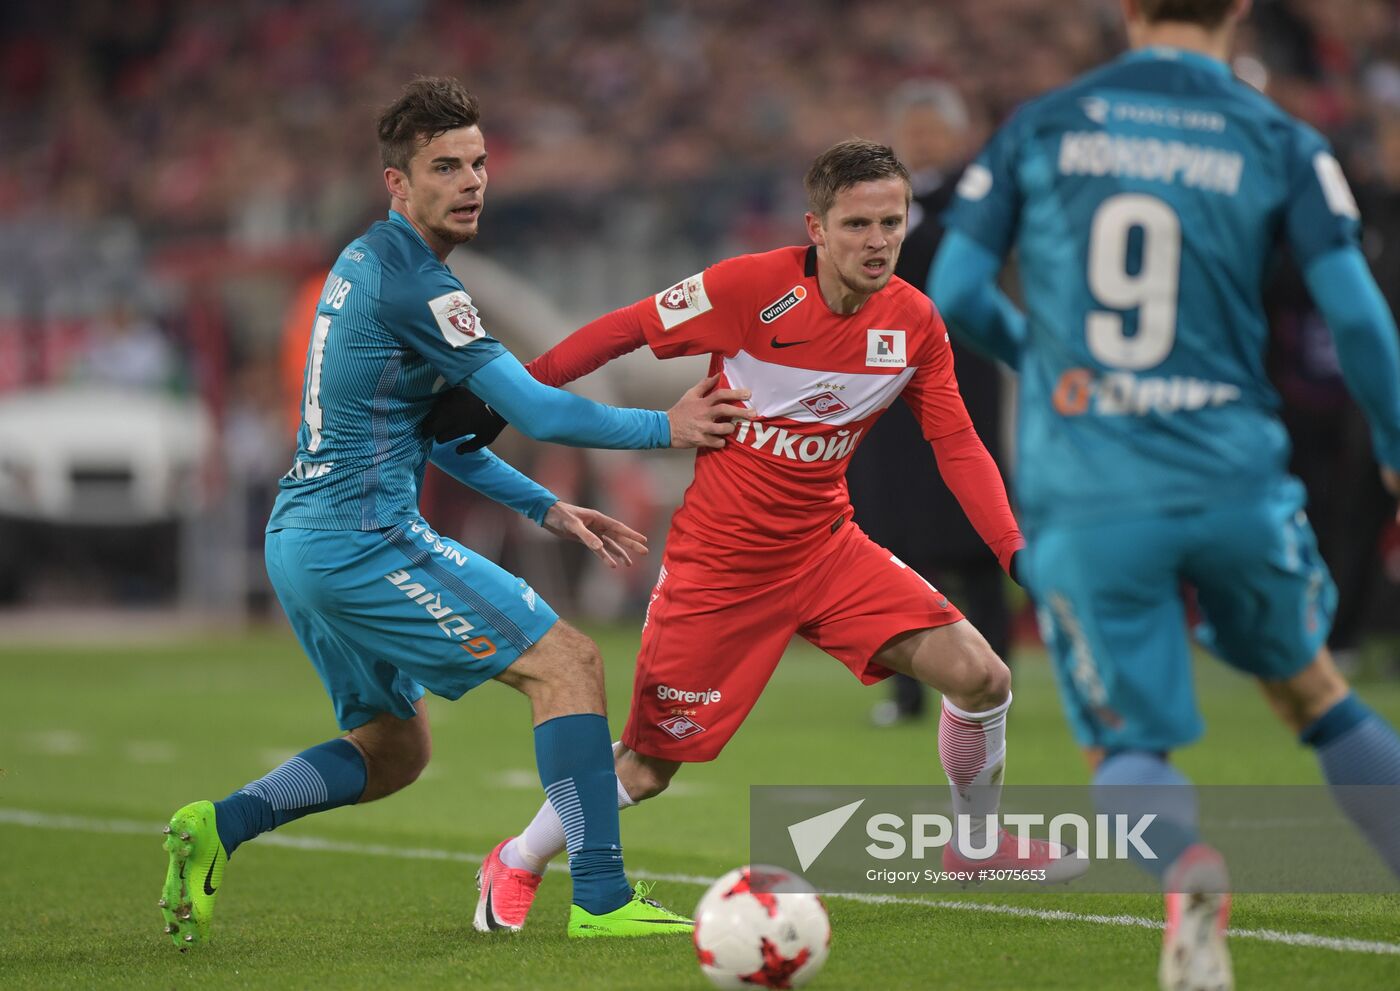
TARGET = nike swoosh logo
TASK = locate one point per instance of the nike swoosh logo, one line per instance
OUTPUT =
(785, 344)
(208, 889)
(491, 921)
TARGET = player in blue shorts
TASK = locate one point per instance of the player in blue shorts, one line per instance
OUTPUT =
(385, 607)
(1144, 201)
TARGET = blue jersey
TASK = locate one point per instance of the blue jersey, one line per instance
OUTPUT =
(393, 327)
(1145, 201)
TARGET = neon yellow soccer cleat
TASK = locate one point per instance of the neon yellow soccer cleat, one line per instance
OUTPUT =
(195, 874)
(639, 917)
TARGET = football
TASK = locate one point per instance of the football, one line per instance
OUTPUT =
(763, 927)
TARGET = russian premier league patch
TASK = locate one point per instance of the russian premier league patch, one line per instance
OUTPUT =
(457, 318)
(682, 302)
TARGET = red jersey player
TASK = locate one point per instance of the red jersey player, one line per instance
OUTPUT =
(763, 548)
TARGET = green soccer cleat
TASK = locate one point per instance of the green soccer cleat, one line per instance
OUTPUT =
(194, 876)
(639, 917)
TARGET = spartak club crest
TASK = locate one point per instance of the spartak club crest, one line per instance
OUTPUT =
(676, 298)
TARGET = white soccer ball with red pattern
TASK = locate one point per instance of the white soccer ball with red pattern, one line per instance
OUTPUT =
(761, 927)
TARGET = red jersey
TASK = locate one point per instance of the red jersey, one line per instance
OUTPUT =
(774, 495)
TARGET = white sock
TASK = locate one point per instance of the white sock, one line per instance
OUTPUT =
(972, 750)
(543, 839)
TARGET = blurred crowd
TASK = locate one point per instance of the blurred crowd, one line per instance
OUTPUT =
(133, 127)
(252, 120)
(142, 136)
(172, 169)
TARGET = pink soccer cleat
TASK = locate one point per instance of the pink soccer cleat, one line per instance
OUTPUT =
(1194, 954)
(506, 894)
(1045, 861)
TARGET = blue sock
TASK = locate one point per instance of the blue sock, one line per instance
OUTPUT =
(327, 776)
(575, 760)
(1357, 747)
(1134, 783)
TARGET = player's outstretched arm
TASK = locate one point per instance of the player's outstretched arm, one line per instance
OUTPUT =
(963, 285)
(700, 419)
(590, 347)
(460, 411)
(613, 542)
(1368, 350)
(495, 479)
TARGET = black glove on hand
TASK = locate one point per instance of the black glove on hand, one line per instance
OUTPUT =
(458, 413)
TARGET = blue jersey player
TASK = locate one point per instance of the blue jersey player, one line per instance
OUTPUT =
(385, 607)
(1144, 201)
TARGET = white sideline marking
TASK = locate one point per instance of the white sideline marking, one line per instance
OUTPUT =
(57, 743)
(152, 752)
(84, 824)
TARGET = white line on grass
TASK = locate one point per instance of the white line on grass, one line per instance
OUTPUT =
(84, 824)
(152, 752)
(57, 743)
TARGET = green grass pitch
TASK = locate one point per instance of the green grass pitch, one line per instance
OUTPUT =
(98, 745)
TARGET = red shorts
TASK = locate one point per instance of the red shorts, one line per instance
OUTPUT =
(709, 648)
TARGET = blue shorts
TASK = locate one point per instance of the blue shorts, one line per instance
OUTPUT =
(1110, 607)
(385, 614)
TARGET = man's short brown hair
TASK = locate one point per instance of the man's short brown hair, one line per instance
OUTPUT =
(427, 107)
(847, 164)
(1206, 13)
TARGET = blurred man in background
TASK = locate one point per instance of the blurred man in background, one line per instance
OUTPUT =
(893, 485)
(1144, 201)
(127, 350)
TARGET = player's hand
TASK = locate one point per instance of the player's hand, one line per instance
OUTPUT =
(460, 412)
(702, 418)
(614, 543)
(1390, 478)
